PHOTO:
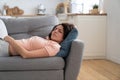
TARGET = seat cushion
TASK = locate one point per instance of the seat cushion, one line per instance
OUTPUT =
(18, 63)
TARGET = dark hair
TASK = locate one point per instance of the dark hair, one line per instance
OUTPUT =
(67, 28)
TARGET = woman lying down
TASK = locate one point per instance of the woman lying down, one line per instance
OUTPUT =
(34, 46)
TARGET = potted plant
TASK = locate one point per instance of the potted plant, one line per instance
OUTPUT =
(95, 9)
(95, 6)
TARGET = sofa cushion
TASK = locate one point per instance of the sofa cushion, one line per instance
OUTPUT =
(66, 44)
(27, 27)
(18, 63)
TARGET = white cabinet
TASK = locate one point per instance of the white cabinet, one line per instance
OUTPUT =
(92, 30)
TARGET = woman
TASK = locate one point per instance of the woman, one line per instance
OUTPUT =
(37, 46)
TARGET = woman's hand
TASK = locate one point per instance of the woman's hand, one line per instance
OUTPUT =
(19, 49)
(8, 39)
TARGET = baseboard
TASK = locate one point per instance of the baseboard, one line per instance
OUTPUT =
(116, 60)
(94, 57)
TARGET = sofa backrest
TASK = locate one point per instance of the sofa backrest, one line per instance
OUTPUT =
(26, 27)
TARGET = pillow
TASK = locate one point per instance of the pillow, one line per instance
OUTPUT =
(66, 44)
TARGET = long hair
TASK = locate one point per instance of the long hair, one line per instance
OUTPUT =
(67, 27)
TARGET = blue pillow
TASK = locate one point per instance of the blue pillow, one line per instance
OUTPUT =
(66, 44)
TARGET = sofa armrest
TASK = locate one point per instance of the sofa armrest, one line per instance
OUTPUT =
(74, 60)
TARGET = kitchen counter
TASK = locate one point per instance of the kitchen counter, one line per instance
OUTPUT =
(87, 14)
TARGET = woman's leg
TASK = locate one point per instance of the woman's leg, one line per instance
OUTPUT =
(4, 46)
(3, 30)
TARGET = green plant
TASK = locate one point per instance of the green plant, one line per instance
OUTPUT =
(95, 6)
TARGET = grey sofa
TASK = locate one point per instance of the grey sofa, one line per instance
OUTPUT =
(50, 68)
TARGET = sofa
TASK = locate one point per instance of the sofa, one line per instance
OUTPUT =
(48, 68)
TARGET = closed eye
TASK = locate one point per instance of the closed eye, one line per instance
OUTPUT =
(60, 31)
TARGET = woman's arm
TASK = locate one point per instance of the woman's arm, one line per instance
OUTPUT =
(25, 53)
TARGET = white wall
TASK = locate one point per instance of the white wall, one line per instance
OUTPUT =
(30, 6)
(112, 8)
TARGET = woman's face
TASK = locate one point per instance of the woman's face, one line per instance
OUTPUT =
(57, 34)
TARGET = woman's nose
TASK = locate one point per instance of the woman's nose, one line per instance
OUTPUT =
(56, 30)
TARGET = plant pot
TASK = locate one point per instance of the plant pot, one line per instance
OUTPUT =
(94, 11)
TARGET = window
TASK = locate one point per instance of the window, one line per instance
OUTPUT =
(83, 6)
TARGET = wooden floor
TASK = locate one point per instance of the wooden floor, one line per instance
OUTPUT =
(99, 70)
